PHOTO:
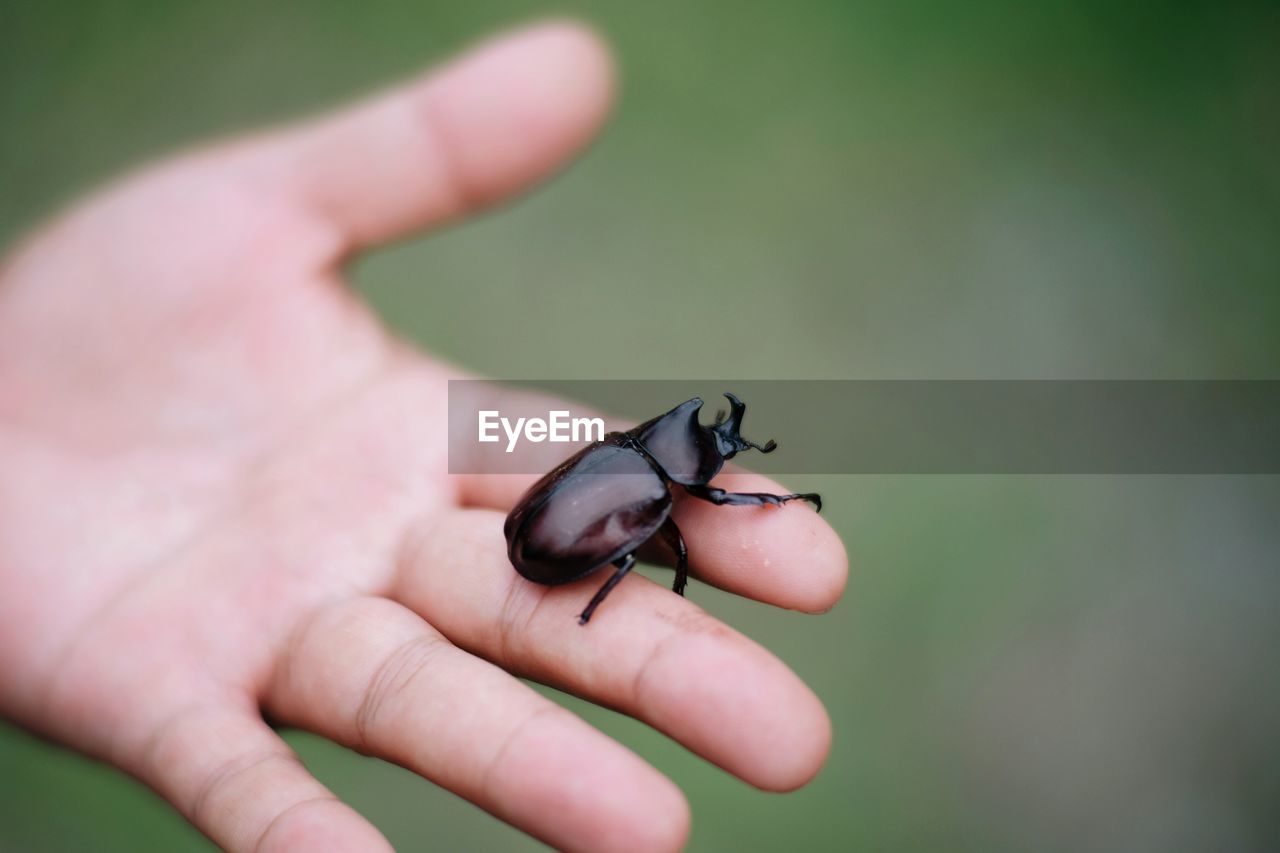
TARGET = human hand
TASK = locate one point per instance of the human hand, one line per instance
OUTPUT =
(225, 496)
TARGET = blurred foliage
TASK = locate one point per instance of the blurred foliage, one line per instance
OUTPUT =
(837, 190)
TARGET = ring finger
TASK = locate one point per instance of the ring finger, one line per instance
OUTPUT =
(373, 676)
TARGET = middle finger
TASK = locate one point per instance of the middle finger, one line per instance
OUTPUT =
(649, 653)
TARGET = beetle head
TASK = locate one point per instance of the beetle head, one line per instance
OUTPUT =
(690, 453)
(729, 439)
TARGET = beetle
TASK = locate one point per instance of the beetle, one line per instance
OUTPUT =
(600, 505)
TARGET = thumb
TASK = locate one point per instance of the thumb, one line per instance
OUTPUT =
(473, 132)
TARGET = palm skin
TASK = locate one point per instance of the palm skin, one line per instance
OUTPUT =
(225, 501)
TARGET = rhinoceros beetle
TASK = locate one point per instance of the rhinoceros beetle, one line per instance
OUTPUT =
(600, 505)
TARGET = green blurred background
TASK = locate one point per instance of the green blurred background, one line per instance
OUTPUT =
(831, 190)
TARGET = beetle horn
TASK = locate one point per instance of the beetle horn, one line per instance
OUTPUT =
(728, 434)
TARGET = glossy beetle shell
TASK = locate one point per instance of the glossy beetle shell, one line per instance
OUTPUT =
(600, 504)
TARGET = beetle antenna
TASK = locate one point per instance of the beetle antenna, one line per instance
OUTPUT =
(719, 417)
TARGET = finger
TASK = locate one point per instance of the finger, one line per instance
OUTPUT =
(472, 133)
(241, 785)
(785, 555)
(647, 652)
(372, 675)
(788, 556)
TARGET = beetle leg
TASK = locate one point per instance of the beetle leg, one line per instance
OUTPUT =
(720, 497)
(671, 535)
(624, 565)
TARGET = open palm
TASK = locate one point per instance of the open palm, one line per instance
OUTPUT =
(225, 501)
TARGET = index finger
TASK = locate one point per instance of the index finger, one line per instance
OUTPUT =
(787, 556)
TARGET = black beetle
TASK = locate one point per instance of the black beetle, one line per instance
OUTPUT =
(604, 502)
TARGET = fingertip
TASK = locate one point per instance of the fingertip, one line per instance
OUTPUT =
(738, 706)
(787, 556)
(783, 734)
(801, 756)
(473, 131)
(322, 825)
(580, 48)
(520, 104)
(606, 797)
(823, 584)
(668, 823)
